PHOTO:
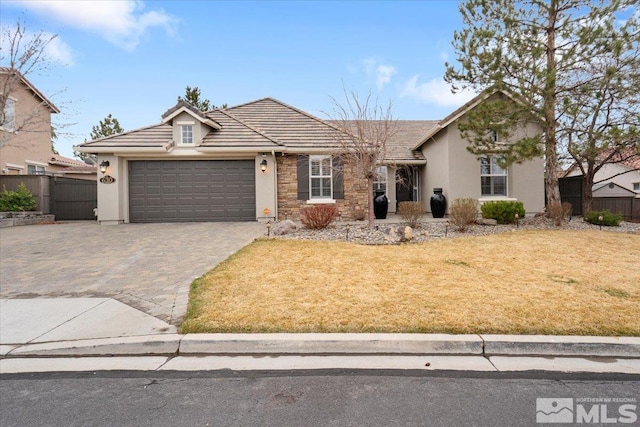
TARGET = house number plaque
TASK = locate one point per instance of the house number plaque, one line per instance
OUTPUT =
(107, 179)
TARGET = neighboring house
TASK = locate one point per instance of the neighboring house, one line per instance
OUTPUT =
(625, 173)
(266, 160)
(25, 133)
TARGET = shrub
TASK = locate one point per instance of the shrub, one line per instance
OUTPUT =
(503, 211)
(559, 212)
(17, 201)
(609, 219)
(411, 212)
(359, 214)
(318, 216)
(463, 212)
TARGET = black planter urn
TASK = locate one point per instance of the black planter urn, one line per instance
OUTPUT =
(438, 203)
(380, 205)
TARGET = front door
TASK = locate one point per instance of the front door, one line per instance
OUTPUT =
(404, 184)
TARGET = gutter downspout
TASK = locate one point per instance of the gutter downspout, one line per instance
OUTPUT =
(275, 183)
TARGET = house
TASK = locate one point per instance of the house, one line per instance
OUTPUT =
(623, 171)
(25, 133)
(266, 160)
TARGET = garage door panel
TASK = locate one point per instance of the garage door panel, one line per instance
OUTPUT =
(192, 190)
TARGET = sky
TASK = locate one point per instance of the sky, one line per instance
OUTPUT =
(132, 59)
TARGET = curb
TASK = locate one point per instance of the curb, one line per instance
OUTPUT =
(334, 344)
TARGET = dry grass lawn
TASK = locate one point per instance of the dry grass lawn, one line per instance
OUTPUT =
(534, 282)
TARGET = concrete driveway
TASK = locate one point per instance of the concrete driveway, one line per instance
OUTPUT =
(146, 266)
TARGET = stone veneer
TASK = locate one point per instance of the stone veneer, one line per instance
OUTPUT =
(352, 207)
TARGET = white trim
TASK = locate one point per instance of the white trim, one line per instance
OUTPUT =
(34, 163)
(184, 122)
(490, 159)
(320, 201)
(320, 158)
(485, 199)
(14, 166)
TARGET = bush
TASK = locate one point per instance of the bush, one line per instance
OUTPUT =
(463, 212)
(17, 201)
(411, 213)
(559, 212)
(318, 216)
(502, 211)
(359, 214)
(609, 219)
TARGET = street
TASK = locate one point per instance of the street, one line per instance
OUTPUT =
(300, 398)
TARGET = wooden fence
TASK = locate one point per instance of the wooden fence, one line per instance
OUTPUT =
(66, 198)
(571, 191)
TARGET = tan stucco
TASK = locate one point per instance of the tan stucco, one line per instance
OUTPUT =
(33, 143)
(453, 168)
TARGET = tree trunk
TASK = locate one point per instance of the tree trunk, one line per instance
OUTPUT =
(587, 193)
(551, 173)
(370, 216)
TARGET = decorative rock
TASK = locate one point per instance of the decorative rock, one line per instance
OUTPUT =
(284, 227)
(407, 234)
(488, 221)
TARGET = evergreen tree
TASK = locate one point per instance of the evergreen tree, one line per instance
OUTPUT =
(539, 51)
(193, 97)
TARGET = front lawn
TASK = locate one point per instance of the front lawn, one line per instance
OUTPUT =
(527, 282)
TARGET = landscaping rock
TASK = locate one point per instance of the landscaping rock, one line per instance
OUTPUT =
(405, 234)
(388, 233)
(284, 227)
(488, 221)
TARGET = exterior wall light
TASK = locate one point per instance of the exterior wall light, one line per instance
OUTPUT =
(263, 165)
(103, 166)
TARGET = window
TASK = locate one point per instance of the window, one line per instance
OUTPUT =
(380, 180)
(187, 134)
(8, 119)
(636, 186)
(493, 178)
(320, 177)
(35, 170)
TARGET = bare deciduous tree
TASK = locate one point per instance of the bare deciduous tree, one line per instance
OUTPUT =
(20, 55)
(366, 127)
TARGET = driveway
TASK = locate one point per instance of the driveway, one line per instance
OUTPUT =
(147, 266)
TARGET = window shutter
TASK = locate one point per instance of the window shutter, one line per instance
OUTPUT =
(338, 178)
(303, 177)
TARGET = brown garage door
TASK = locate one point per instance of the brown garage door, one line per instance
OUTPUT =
(192, 190)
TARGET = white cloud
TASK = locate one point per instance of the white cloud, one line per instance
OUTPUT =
(59, 51)
(56, 49)
(122, 23)
(382, 73)
(435, 91)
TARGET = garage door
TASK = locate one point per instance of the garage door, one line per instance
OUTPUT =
(186, 190)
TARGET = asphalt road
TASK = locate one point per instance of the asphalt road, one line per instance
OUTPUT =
(307, 398)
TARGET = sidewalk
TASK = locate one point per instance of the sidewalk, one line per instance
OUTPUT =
(87, 334)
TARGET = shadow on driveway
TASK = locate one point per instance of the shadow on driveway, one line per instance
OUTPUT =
(147, 266)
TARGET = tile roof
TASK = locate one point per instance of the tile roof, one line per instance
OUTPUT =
(67, 161)
(408, 134)
(150, 136)
(268, 124)
(288, 125)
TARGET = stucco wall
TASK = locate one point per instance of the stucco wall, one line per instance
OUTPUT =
(626, 180)
(33, 142)
(457, 171)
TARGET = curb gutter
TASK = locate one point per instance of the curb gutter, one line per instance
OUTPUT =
(333, 344)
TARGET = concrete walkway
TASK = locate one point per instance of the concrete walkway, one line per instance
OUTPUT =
(147, 266)
(88, 334)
